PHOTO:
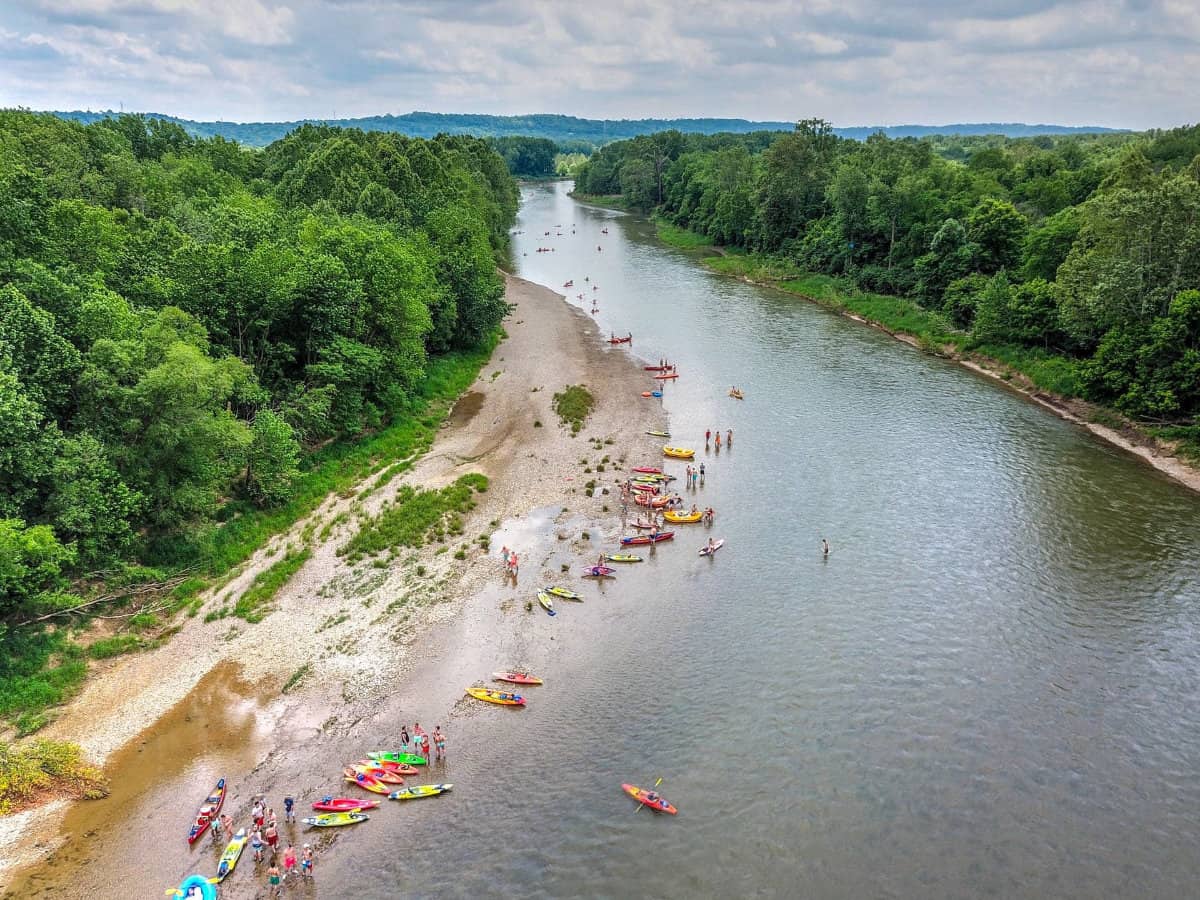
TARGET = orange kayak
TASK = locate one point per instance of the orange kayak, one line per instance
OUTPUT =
(381, 775)
(643, 796)
(388, 766)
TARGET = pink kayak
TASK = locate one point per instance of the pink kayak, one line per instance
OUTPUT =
(343, 804)
(647, 470)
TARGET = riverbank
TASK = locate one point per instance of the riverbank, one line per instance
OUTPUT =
(1044, 378)
(339, 636)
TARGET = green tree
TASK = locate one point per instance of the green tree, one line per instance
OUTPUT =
(998, 230)
(273, 460)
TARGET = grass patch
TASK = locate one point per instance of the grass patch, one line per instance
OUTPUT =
(107, 648)
(674, 236)
(295, 678)
(416, 517)
(573, 405)
(38, 669)
(254, 604)
(42, 768)
(1186, 438)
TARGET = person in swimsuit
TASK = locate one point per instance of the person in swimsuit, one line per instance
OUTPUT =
(729, 438)
(306, 862)
(289, 810)
(707, 436)
(256, 844)
(289, 861)
(271, 836)
(273, 880)
(439, 741)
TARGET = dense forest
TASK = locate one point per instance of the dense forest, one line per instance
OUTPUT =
(183, 321)
(570, 133)
(1084, 249)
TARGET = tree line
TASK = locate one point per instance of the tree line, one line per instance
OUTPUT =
(1082, 247)
(183, 320)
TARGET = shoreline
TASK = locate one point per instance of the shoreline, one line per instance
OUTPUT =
(357, 659)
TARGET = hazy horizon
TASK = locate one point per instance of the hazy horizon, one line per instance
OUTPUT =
(1114, 63)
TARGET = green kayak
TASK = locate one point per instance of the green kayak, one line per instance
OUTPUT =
(407, 759)
(624, 557)
(421, 790)
(562, 592)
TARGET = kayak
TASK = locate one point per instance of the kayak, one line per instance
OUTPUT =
(736, 395)
(196, 886)
(334, 819)
(209, 810)
(624, 558)
(421, 790)
(683, 518)
(640, 524)
(547, 603)
(648, 538)
(503, 698)
(381, 775)
(393, 767)
(651, 501)
(645, 488)
(233, 851)
(647, 470)
(367, 783)
(625, 340)
(517, 678)
(663, 376)
(343, 804)
(562, 592)
(397, 756)
(679, 452)
(659, 433)
(641, 795)
(657, 368)
(717, 545)
(657, 478)
(598, 572)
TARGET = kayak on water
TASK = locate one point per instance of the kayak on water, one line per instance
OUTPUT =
(379, 774)
(598, 572)
(649, 799)
(659, 433)
(209, 810)
(562, 592)
(717, 545)
(386, 764)
(684, 518)
(625, 340)
(547, 603)
(396, 756)
(343, 804)
(503, 698)
(736, 394)
(648, 539)
(657, 368)
(663, 376)
(517, 678)
(623, 557)
(196, 887)
(647, 470)
(334, 819)
(651, 394)
(367, 783)
(233, 851)
(421, 790)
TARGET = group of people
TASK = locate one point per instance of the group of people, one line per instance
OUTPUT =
(709, 435)
(419, 741)
(264, 841)
(694, 476)
(511, 561)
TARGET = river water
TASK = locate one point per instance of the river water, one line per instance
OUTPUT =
(989, 688)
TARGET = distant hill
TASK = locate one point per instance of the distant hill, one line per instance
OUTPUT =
(568, 131)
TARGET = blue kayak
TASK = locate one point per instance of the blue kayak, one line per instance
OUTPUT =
(196, 887)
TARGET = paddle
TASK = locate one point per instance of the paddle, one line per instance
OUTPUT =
(640, 805)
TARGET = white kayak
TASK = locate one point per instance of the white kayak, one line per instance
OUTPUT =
(709, 551)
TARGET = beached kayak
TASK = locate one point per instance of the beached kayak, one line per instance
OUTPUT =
(647, 470)
(196, 887)
(644, 487)
(657, 368)
(648, 539)
(503, 698)
(562, 592)
(717, 545)
(397, 756)
(334, 819)
(641, 795)
(679, 452)
(421, 790)
(233, 852)
(598, 571)
(659, 433)
(683, 518)
(617, 340)
(547, 603)
(379, 774)
(650, 500)
(343, 804)
(657, 478)
(623, 557)
(209, 810)
(367, 783)
(393, 767)
(517, 678)
(663, 376)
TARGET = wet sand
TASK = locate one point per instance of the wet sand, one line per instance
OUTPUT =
(383, 645)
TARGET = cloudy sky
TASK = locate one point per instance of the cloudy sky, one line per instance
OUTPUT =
(1131, 63)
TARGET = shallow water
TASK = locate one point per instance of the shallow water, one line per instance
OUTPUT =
(988, 689)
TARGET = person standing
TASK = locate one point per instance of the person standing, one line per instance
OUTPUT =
(718, 440)
(439, 741)
(707, 437)
(695, 478)
(289, 810)
(404, 739)
(729, 438)
(824, 547)
(289, 861)
(702, 473)
(256, 844)
(271, 836)
(306, 862)
(274, 882)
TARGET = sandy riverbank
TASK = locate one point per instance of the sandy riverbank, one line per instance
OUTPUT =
(358, 627)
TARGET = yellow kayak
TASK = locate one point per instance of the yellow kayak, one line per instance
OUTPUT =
(232, 853)
(332, 820)
(679, 452)
(504, 698)
(683, 517)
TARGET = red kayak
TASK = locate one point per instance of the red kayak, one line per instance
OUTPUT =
(646, 488)
(649, 799)
(658, 368)
(665, 375)
(646, 470)
(651, 500)
(389, 766)
(625, 340)
(517, 677)
(209, 810)
(343, 804)
(648, 539)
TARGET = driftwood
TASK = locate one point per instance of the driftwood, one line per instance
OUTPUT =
(154, 587)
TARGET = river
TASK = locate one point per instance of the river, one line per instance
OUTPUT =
(987, 689)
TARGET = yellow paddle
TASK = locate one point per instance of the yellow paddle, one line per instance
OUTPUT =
(640, 805)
